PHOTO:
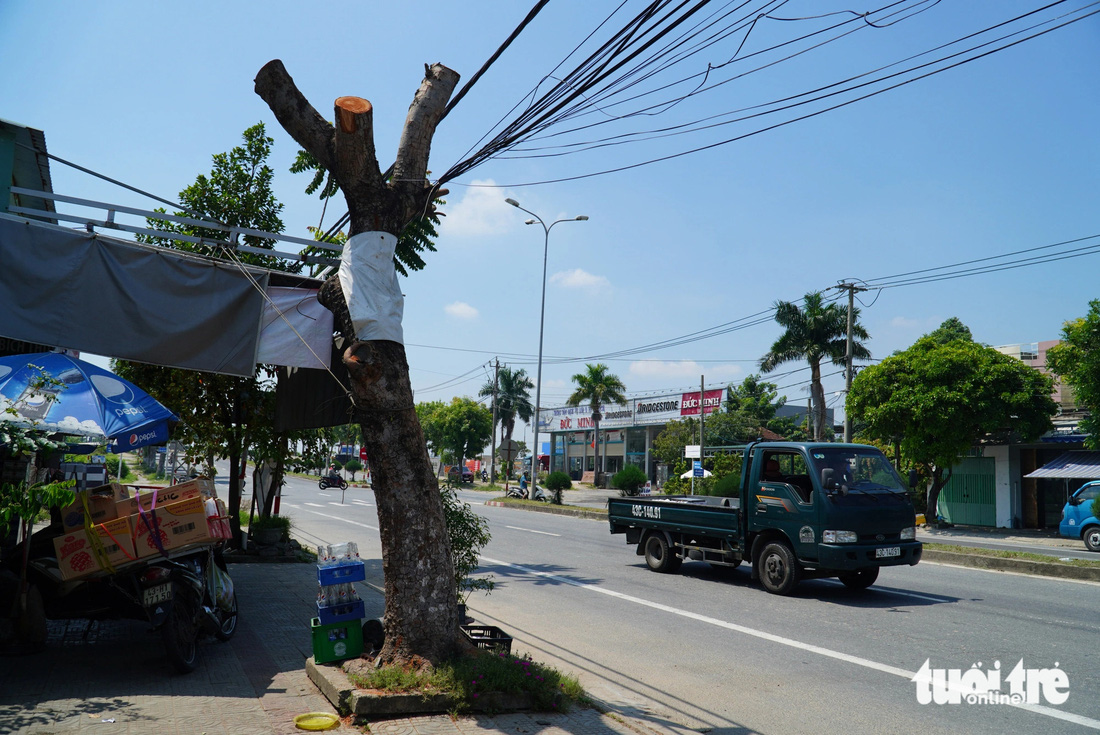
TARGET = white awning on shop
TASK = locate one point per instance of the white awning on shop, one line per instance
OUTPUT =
(1071, 465)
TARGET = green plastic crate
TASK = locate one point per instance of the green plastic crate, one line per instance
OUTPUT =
(336, 641)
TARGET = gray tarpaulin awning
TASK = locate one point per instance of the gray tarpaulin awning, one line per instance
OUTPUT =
(1071, 465)
(98, 294)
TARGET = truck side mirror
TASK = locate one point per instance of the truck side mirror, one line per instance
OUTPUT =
(828, 478)
(912, 479)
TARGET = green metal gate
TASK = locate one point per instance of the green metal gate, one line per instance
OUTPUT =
(970, 496)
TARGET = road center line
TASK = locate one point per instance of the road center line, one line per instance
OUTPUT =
(808, 647)
(531, 530)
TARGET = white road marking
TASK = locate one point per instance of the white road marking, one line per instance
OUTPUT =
(808, 647)
(531, 530)
(338, 518)
(315, 505)
(327, 495)
(362, 502)
(342, 505)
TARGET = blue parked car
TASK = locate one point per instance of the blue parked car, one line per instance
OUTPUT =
(1077, 518)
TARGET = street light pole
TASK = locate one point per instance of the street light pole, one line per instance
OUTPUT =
(542, 321)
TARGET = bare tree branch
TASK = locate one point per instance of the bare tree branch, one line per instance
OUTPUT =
(294, 112)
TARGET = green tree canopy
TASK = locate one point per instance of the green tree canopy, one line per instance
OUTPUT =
(757, 402)
(814, 333)
(950, 330)
(939, 400)
(224, 415)
(465, 427)
(1076, 360)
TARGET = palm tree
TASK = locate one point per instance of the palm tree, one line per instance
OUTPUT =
(513, 400)
(814, 333)
(597, 386)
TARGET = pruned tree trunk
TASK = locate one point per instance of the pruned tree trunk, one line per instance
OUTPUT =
(421, 620)
(817, 391)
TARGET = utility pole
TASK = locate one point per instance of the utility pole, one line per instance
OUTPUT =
(702, 396)
(493, 442)
(852, 288)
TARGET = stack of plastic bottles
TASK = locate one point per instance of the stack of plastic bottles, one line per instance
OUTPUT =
(337, 630)
(338, 569)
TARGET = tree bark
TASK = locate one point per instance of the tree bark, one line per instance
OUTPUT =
(421, 619)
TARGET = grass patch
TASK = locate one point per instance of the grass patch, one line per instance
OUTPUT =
(540, 504)
(470, 677)
(1004, 554)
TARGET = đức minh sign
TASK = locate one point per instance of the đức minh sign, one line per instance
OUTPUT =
(638, 412)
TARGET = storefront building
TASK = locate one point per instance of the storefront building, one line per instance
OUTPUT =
(627, 432)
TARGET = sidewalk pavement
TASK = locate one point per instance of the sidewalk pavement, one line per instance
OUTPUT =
(112, 677)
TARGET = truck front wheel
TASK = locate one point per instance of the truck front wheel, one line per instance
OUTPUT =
(860, 580)
(1091, 537)
(778, 568)
(659, 555)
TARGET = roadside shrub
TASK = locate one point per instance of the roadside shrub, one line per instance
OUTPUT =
(629, 479)
(555, 483)
(727, 486)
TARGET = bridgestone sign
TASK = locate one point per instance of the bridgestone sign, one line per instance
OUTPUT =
(639, 412)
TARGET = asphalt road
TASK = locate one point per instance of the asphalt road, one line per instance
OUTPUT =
(710, 650)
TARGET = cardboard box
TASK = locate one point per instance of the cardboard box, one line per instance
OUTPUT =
(204, 484)
(117, 490)
(77, 558)
(176, 524)
(157, 498)
(102, 507)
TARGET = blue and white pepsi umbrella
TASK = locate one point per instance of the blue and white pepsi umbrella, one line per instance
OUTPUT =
(86, 401)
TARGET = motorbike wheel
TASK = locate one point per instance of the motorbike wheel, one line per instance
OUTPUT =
(322, 485)
(180, 631)
(229, 622)
(343, 484)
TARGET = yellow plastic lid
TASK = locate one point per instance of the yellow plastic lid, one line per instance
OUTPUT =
(316, 721)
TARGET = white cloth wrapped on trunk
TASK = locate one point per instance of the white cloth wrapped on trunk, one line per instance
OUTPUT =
(370, 286)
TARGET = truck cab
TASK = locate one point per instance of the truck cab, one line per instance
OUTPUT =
(840, 508)
(1077, 518)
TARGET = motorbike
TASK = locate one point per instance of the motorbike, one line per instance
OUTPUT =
(184, 596)
(327, 481)
(484, 476)
(538, 494)
(515, 492)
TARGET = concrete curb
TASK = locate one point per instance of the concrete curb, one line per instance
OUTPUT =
(1022, 566)
(597, 515)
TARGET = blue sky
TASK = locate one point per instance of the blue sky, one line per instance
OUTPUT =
(991, 157)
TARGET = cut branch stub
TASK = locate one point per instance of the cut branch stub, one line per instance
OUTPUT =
(356, 166)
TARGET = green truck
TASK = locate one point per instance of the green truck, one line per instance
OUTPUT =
(804, 511)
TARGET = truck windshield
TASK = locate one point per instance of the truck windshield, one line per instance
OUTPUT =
(862, 470)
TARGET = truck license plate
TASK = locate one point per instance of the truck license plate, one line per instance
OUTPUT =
(160, 593)
(887, 552)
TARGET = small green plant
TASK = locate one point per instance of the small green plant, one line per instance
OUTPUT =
(264, 523)
(353, 466)
(629, 479)
(469, 533)
(471, 678)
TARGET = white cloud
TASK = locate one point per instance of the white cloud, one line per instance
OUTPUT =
(461, 310)
(481, 212)
(682, 369)
(578, 278)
